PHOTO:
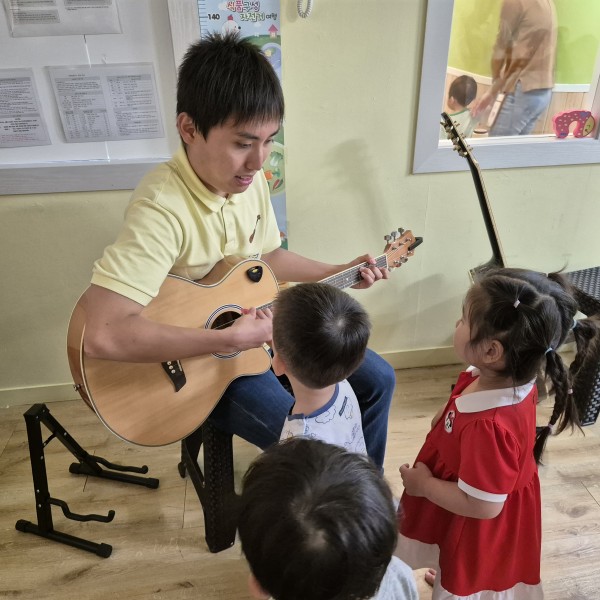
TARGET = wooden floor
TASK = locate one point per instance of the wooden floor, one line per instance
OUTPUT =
(157, 536)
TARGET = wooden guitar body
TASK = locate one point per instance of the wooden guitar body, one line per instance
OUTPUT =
(138, 401)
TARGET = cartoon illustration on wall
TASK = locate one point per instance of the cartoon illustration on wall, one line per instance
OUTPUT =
(230, 26)
(274, 170)
(273, 52)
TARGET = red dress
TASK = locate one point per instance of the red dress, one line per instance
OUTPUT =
(484, 441)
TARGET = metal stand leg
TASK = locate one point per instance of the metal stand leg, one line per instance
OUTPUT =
(87, 465)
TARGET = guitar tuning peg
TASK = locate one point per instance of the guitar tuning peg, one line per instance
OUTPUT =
(387, 238)
(401, 230)
(394, 235)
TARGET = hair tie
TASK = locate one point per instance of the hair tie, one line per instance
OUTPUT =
(575, 322)
(550, 428)
(517, 302)
(550, 349)
(569, 392)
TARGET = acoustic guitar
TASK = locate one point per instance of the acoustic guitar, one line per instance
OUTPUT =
(463, 149)
(154, 404)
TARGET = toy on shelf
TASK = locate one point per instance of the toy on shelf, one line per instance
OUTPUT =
(562, 121)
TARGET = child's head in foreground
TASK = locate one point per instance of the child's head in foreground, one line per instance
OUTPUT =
(320, 334)
(316, 522)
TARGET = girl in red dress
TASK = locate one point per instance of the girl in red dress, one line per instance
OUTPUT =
(471, 503)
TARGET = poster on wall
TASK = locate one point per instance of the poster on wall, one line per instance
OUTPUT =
(107, 102)
(258, 20)
(27, 18)
(21, 120)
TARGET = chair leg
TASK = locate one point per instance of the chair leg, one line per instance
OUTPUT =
(220, 514)
(214, 486)
(586, 388)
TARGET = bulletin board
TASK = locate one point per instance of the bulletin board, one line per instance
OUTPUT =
(151, 41)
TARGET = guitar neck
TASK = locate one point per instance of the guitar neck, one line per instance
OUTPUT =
(455, 136)
(347, 278)
(490, 225)
(352, 276)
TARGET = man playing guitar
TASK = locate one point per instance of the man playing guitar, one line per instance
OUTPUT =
(209, 202)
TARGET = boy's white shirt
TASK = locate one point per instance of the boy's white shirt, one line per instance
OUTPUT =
(337, 422)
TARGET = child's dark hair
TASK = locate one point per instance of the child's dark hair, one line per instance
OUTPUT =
(531, 314)
(316, 521)
(463, 89)
(226, 77)
(320, 332)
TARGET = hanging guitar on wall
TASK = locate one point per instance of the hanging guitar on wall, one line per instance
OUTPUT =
(464, 150)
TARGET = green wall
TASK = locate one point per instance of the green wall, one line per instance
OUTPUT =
(475, 23)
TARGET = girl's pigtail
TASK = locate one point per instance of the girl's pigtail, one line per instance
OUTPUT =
(564, 413)
(540, 442)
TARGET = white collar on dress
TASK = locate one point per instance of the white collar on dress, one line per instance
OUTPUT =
(480, 401)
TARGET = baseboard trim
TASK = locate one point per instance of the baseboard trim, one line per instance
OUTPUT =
(425, 357)
(403, 359)
(37, 395)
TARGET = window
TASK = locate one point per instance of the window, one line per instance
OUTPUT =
(433, 155)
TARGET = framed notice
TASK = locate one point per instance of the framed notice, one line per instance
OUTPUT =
(21, 120)
(107, 102)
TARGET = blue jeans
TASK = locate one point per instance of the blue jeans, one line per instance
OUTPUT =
(255, 407)
(520, 111)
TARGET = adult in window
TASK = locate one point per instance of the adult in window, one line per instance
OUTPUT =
(523, 61)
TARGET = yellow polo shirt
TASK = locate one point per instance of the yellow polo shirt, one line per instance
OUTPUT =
(174, 224)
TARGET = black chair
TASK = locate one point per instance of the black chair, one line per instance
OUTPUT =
(586, 381)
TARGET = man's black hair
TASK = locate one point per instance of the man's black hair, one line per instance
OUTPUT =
(227, 77)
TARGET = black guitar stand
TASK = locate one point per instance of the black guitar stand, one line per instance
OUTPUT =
(87, 465)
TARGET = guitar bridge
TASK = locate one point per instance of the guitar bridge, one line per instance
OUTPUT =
(175, 372)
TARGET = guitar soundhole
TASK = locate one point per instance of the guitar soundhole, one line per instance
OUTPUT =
(222, 320)
(225, 319)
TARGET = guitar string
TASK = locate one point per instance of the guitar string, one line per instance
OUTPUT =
(340, 280)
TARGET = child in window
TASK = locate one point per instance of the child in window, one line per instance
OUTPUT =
(461, 93)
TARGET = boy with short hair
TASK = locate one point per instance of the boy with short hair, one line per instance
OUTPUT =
(320, 336)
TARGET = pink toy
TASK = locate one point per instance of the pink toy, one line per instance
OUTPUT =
(562, 121)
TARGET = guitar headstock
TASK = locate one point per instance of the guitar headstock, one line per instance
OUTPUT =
(400, 247)
(455, 136)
